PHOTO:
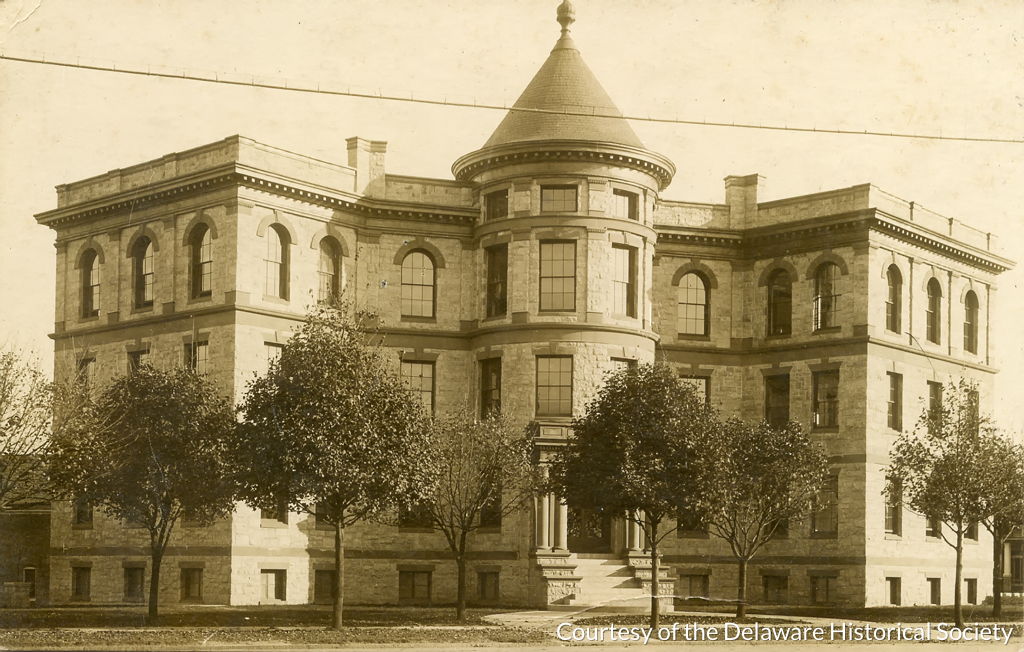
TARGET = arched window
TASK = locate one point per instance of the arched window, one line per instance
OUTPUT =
(780, 303)
(693, 317)
(417, 285)
(971, 322)
(277, 262)
(826, 296)
(894, 299)
(201, 264)
(142, 266)
(90, 284)
(329, 271)
(933, 316)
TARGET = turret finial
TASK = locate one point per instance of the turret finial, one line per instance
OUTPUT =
(566, 16)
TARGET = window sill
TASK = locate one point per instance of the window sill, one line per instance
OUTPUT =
(555, 419)
(826, 331)
(693, 338)
(86, 318)
(81, 526)
(500, 317)
(203, 298)
(556, 312)
(778, 336)
(419, 320)
(272, 299)
(138, 310)
(825, 429)
(272, 524)
(824, 535)
(892, 536)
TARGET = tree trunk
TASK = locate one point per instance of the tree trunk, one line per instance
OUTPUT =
(655, 572)
(339, 572)
(997, 573)
(958, 611)
(155, 559)
(460, 600)
(741, 592)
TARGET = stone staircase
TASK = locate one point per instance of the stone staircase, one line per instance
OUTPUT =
(608, 583)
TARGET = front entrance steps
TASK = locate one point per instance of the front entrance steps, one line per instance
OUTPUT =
(610, 582)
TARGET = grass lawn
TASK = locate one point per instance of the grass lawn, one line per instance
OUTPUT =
(91, 627)
(920, 614)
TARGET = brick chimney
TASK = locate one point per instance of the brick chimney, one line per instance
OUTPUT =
(741, 196)
(367, 157)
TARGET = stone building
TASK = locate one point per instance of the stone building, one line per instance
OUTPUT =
(548, 260)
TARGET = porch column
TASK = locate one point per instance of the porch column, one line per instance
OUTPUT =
(634, 533)
(543, 532)
(562, 526)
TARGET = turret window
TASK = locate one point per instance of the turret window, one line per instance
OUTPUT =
(558, 199)
(624, 204)
(496, 205)
(624, 280)
(557, 275)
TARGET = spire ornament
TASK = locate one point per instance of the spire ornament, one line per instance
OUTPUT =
(566, 16)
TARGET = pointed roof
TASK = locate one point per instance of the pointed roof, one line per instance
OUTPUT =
(564, 85)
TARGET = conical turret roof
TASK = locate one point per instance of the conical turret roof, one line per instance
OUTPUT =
(564, 101)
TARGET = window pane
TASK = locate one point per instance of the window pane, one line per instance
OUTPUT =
(624, 204)
(496, 205)
(700, 384)
(276, 264)
(693, 305)
(329, 272)
(419, 376)
(971, 323)
(554, 385)
(557, 275)
(933, 316)
(894, 408)
(560, 199)
(780, 300)
(417, 285)
(497, 280)
(894, 300)
(202, 262)
(826, 398)
(490, 386)
(776, 400)
(624, 281)
(826, 296)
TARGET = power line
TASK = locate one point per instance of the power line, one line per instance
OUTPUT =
(224, 78)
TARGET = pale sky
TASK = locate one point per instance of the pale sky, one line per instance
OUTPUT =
(935, 66)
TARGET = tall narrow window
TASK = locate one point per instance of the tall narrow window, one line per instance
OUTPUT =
(497, 280)
(191, 584)
(935, 589)
(894, 407)
(624, 280)
(554, 385)
(780, 303)
(701, 386)
(490, 387)
(201, 261)
(934, 406)
(826, 296)
(826, 399)
(81, 582)
(87, 372)
(142, 268)
(329, 272)
(197, 357)
(933, 527)
(894, 508)
(693, 315)
(624, 204)
(557, 275)
(496, 204)
(895, 590)
(136, 359)
(276, 262)
(419, 376)
(417, 285)
(558, 199)
(894, 299)
(776, 400)
(825, 514)
(90, 284)
(933, 314)
(971, 322)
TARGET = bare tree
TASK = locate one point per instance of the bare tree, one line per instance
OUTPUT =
(25, 415)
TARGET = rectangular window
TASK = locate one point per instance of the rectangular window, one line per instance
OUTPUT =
(826, 399)
(894, 509)
(134, 582)
(690, 525)
(622, 364)
(895, 590)
(87, 371)
(496, 204)
(693, 585)
(197, 357)
(271, 517)
(487, 586)
(554, 385)
(82, 514)
(490, 512)
(497, 280)
(415, 516)
(624, 280)
(320, 522)
(776, 589)
(825, 514)
(136, 359)
(273, 585)
(490, 387)
(557, 275)
(324, 587)
(934, 405)
(972, 590)
(894, 412)
(81, 582)
(419, 376)
(414, 587)
(624, 204)
(776, 400)
(271, 353)
(191, 584)
(822, 589)
(972, 531)
(558, 199)
(935, 590)
(933, 527)
(700, 384)
(781, 529)
(28, 576)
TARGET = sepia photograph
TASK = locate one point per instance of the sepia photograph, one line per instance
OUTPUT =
(443, 324)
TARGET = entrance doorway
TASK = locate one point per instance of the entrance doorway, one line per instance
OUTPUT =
(589, 530)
